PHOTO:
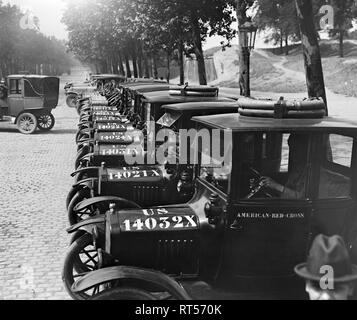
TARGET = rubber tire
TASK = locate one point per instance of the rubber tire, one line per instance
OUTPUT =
(32, 118)
(78, 136)
(67, 272)
(53, 121)
(123, 293)
(80, 195)
(80, 154)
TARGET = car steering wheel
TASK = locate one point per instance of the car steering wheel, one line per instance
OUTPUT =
(257, 187)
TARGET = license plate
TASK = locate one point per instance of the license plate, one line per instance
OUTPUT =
(159, 220)
(117, 137)
(112, 126)
(132, 174)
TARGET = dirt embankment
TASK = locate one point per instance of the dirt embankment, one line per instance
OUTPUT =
(265, 72)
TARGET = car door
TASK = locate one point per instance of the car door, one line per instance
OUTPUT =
(15, 97)
(335, 198)
(267, 234)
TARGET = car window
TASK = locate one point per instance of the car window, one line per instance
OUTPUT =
(169, 119)
(30, 89)
(335, 173)
(15, 87)
(273, 165)
(216, 163)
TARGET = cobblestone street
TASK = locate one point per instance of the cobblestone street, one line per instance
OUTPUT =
(34, 181)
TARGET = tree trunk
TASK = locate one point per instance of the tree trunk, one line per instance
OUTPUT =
(244, 80)
(202, 77)
(127, 65)
(181, 62)
(341, 43)
(140, 59)
(146, 66)
(121, 67)
(154, 64)
(134, 57)
(115, 63)
(311, 51)
(286, 44)
(168, 57)
(281, 42)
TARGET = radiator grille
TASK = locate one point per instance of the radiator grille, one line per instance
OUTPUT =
(148, 194)
(178, 256)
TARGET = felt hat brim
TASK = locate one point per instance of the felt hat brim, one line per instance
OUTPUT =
(302, 271)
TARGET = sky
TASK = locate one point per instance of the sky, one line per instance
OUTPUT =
(50, 13)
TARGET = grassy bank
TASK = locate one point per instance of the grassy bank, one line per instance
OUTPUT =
(264, 76)
(340, 73)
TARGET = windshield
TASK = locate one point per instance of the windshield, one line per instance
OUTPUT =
(169, 119)
(216, 160)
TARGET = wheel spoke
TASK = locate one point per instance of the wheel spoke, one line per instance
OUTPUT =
(96, 290)
(90, 259)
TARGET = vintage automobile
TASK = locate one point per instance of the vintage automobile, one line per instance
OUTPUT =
(153, 184)
(130, 100)
(150, 110)
(96, 82)
(239, 236)
(30, 100)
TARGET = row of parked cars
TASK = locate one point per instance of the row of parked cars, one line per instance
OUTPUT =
(183, 192)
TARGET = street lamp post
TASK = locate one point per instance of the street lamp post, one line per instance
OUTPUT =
(247, 36)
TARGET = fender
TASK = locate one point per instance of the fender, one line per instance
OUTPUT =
(83, 141)
(83, 100)
(86, 182)
(85, 109)
(84, 125)
(86, 157)
(68, 93)
(86, 224)
(89, 202)
(86, 131)
(149, 278)
(84, 112)
(84, 170)
(84, 119)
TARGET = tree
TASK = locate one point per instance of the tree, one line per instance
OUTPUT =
(28, 50)
(311, 51)
(280, 17)
(344, 12)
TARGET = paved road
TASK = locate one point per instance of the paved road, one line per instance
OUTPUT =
(34, 181)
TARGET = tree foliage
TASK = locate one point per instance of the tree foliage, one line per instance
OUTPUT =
(280, 17)
(344, 11)
(139, 32)
(28, 50)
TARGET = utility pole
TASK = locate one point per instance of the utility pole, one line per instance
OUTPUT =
(311, 51)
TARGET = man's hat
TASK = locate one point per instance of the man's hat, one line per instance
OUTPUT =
(328, 251)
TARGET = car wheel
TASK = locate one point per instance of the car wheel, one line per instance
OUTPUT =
(81, 259)
(71, 100)
(27, 123)
(120, 293)
(46, 122)
(82, 151)
(76, 217)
